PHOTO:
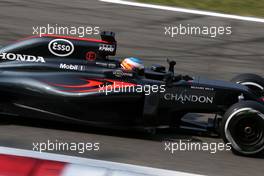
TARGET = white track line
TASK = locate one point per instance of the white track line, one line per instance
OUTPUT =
(176, 9)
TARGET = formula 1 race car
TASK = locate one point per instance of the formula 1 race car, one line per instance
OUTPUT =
(74, 80)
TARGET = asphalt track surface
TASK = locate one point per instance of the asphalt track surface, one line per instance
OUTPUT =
(140, 32)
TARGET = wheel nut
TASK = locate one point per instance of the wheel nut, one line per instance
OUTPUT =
(248, 130)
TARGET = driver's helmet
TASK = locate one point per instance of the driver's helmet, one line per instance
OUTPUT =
(132, 64)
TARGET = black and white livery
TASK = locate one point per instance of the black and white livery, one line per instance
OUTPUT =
(74, 80)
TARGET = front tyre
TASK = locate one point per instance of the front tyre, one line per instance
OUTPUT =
(243, 127)
(252, 81)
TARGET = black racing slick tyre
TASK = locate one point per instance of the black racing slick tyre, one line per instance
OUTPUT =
(252, 81)
(243, 127)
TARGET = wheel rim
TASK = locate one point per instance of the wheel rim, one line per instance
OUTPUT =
(255, 87)
(245, 131)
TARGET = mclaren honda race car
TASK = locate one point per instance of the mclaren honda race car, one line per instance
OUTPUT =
(76, 80)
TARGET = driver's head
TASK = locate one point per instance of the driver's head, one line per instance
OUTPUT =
(132, 64)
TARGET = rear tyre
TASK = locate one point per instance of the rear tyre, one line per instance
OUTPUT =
(243, 127)
(252, 81)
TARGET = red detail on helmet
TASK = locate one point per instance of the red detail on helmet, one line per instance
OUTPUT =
(90, 56)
